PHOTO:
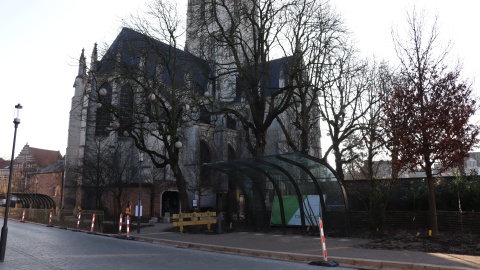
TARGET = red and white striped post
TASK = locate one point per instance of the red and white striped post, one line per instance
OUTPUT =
(23, 216)
(324, 248)
(93, 223)
(78, 220)
(128, 225)
(322, 236)
(120, 224)
(50, 219)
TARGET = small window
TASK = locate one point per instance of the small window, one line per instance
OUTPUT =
(236, 7)
(202, 9)
(231, 122)
(472, 163)
(188, 81)
(213, 9)
(281, 80)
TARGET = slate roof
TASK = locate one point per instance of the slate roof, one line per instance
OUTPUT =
(273, 73)
(134, 45)
(58, 166)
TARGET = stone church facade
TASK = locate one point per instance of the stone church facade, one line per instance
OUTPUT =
(204, 141)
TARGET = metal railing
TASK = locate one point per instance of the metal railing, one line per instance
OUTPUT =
(59, 218)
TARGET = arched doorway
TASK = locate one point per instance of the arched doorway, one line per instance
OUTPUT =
(170, 203)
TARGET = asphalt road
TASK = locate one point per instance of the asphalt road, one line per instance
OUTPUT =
(31, 246)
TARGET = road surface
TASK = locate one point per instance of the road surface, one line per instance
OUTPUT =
(32, 246)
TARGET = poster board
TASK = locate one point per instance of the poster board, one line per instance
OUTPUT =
(311, 204)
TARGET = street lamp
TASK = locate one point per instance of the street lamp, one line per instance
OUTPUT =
(35, 201)
(3, 240)
(139, 204)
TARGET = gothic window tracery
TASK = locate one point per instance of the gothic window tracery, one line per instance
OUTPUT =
(102, 114)
(126, 108)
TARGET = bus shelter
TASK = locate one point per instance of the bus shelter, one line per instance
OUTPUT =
(291, 189)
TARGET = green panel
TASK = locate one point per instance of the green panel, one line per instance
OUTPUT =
(290, 204)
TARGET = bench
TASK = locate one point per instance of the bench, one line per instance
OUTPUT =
(190, 219)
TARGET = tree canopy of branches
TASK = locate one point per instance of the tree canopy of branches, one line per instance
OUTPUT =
(248, 32)
(313, 34)
(429, 107)
(345, 82)
(157, 99)
(368, 142)
(108, 169)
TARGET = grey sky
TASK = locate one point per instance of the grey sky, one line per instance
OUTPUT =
(42, 40)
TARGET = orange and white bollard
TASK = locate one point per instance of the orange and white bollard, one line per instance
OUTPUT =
(93, 223)
(128, 226)
(324, 248)
(322, 236)
(120, 224)
(50, 219)
(23, 216)
(78, 220)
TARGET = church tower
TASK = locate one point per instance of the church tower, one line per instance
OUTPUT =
(76, 132)
(204, 40)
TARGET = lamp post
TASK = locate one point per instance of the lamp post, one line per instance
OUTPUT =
(35, 201)
(3, 240)
(139, 204)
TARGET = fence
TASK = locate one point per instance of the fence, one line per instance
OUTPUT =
(448, 221)
(60, 218)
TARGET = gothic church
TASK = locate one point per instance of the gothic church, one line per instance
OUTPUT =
(205, 139)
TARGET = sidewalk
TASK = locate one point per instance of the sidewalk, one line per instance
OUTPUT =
(344, 251)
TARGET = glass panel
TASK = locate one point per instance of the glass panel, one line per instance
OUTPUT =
(267, 178)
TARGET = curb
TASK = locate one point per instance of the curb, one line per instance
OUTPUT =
(345, 262)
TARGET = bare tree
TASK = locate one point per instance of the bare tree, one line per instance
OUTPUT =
(200, 184)
(243, 35)
(431, 106)
(107, 168)
(369, 139)
(346, 81)
(96, 172)
(369, 148)
(313, 34)
(158, 94)
(123, 173)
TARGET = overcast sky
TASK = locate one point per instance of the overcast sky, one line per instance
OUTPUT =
(41, 42)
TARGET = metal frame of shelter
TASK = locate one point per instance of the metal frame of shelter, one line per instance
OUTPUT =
(30, 200)
(262, 179)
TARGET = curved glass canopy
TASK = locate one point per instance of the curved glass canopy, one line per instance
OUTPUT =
(289, 190)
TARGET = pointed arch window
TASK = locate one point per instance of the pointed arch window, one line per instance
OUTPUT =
(126, 108)
(103, 116)
(281, 80)
(236, 7)
(202, 9)
(231, 122)
(188, 80)
(205, 172)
